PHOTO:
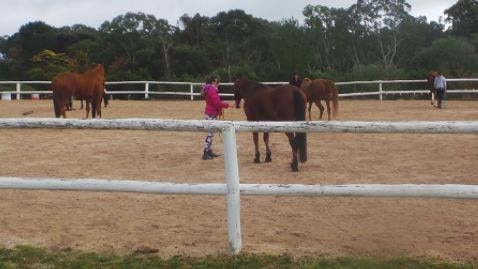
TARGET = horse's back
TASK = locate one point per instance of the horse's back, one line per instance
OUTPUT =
(258, 106)
(91, 83)
(323, 88)
(64, 84)
(283, 98)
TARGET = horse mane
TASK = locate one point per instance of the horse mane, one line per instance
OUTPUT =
(255, 84)
(251, 85)
(433, 73)
(96, 69)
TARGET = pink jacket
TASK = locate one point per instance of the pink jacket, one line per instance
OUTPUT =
(214, 105)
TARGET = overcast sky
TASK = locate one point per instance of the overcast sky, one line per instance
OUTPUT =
(58, 13)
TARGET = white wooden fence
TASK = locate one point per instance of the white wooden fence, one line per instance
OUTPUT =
(232, 188)
(192, 89)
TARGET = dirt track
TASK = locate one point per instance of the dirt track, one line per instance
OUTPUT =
(196, 225)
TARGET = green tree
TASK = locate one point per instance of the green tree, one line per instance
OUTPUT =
(290, 49)
(243, 38)
(137, 40)
(453, 56)
(464, 17)
(48, 64)
(379, 21)
(30, 40)
(195, 30)
(328, 32)
(187, 61)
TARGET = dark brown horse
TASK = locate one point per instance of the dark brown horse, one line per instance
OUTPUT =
(283, 103)
(321, 89)
(430, 82)
(88, 86)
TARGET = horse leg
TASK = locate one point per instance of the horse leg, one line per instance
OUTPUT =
(63, 108)
(295, 163)
(255, 137)
(321, 108)
(327, 103)
(310, 109)
(81, 100)
(69, 104)
(268, 150)
(87, 101)
(94, 107)
(98, 107)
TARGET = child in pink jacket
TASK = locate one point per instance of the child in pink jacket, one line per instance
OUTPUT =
(213, 109)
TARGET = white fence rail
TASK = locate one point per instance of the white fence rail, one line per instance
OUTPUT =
(232, 188)
(192, 89)
(351, 190)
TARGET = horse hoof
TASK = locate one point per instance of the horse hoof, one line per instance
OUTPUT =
(295, 167)
(257, 161)
(268, 160)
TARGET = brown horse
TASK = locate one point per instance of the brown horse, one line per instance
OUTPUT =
(321, 89)
(283, 103)
(88, 86)
(430, 82)
(106, 100)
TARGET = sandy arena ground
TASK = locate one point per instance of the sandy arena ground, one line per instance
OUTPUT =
(196, 225)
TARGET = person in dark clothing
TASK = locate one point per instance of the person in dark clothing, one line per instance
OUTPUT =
(440, 85)
(296, 80)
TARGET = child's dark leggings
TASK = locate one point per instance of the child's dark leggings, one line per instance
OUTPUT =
(210, 135)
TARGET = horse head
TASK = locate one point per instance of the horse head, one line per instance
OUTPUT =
(305, 83)
(430, 79)
(239, 88)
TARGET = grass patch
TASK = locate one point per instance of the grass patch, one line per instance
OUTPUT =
(29, 257)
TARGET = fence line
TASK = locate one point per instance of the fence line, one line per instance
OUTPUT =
(456, 191)
(466, 127)
(232, 188)
(192, 93)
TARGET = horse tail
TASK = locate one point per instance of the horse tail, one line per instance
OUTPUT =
(56, 106)
(299, 112)
(56, 101)
(335, 100)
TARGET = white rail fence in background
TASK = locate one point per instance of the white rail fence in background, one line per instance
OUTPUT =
(193, 89)
(232, 188)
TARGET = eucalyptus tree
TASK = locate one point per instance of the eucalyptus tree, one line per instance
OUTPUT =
(455, 56)
(463, 16)
(241, 38)
(328, 32)
(378, 23)
(290, 48)
(137, 40)
(195, 30)
(30, 40)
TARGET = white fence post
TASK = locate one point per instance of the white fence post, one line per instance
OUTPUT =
(191, 90)
(18, 90)
(146, 90)
(380, 89)
(233, 189)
